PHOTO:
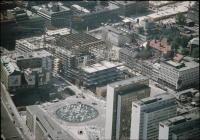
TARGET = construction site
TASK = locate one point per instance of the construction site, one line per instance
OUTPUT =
(70, 51)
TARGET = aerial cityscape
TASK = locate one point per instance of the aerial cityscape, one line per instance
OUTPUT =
(108, 70)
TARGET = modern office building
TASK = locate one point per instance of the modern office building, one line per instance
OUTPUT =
(178, 75)
(98, 14)
(51, 11)
(131, 7)
(43, 126)
(124, 109)
(148, 112)
(111, 35)
(114, 126)
(180, 127)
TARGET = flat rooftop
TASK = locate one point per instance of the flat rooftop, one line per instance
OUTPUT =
(35, 54)
(149, 100)
(133, 90)
(191, 116)
(181, 8)
(128, 81)
(53, 128)
(99, 67)
(108, 64)
(103, 65)
(112, 29)
(188, 65)
(124, 3)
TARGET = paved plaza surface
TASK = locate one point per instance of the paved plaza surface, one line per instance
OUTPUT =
(90, 128)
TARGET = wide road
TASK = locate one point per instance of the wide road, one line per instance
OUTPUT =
(19, 122)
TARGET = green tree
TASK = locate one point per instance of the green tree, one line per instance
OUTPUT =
(156, 37)
(180, 19)
(177, 39)
(191, 37)
(185, 51)
(150, 37)
(195, 52)
(184, 41)
(162, 36)
(174, 45)
(168, 37)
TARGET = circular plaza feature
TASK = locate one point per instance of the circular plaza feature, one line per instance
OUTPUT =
(77, 112)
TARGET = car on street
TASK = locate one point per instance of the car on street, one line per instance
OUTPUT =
(94, 103)
(83, 97)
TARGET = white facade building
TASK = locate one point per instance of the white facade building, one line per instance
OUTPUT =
(178, 75)
(148, 112)
(114, 36)
(155, 71)
(180, 127)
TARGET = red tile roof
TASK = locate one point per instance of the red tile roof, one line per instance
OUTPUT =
(177, 57)
(162, 46)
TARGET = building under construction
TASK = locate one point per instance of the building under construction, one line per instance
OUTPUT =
(130, 7)
(100, 73)
(70, 51)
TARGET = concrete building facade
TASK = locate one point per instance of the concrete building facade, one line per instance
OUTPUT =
(155, 71)
(51, 11)
(102, 72)
(180, 127)
(10, 73)
(148, 112)
(113, 36)
(37, 76)
(178, 75)
(33, 60)
(99, 14)
(113, 90)
(131, 7)
(123, 123)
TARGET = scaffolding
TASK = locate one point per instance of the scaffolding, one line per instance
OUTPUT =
(67, 60)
